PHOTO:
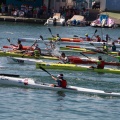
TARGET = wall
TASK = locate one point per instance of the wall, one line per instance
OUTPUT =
(113, 5)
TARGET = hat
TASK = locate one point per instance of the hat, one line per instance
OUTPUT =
(60, 76)
(86, 34)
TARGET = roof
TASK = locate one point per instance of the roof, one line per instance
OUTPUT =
(77, 17)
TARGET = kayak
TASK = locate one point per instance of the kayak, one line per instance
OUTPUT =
(73, 60)
(29, 40)
(30, 83)
(82, 41)
(88, 50)
(75, 67)
(24, 47)
(22, 60)
(18, 54)
(80, 60)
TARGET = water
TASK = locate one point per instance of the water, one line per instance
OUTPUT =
(31, 104)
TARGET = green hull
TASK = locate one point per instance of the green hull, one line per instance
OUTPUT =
(13, 54)
(75, 67)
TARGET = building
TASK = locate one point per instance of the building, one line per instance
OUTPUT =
(110, 5)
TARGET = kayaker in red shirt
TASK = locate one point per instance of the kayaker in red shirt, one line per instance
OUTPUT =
(98, 39)
(87, 37)
(61, 82)
(100, 63)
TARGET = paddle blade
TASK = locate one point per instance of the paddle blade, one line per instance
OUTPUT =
(49, 30)
(92, 44)
(75, 36)
(9, 75)
(8, 39)
(95, 31)
(41, 37)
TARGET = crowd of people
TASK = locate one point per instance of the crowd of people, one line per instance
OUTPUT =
(36, 12)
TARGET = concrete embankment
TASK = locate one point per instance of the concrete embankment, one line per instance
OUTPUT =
(22, 19)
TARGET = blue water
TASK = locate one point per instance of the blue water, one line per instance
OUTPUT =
(33, 104)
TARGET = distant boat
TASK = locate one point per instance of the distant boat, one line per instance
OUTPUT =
(76, 20)
(103, 21)
(57, 19)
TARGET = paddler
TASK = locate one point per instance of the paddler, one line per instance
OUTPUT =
(19, 46)
(37, 51)
(107, 37)
(98, 39)
(113, 48)
(87, 38)
(105, 47)
(64, 58)
(100, 63)
(61, 82)
(57, 38)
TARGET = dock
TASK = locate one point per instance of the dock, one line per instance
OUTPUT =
(22, 19)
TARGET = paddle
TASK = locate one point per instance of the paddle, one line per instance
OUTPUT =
(10, 75)
(44, 42)
(84, 55)
(94, 34)
(10, 42)
(50, 31)
(45, 71)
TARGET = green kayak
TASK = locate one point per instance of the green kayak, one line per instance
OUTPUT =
(75, 67)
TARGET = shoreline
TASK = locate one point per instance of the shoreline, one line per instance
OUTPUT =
(39, 20)
(22, 19)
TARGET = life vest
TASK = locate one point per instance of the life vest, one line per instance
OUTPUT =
(88, 38)
(101, 65)
(105, 48)
(63, 83)
(98, 39)
(36, 53)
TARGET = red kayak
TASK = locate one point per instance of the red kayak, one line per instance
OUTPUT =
(78, 60)
(24, 47)
(72, 39)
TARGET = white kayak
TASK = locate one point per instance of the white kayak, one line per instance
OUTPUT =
(67, 42)
(29, 39)
(30, 83)
(22, 60)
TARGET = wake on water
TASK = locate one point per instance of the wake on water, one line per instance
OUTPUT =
(56, 52)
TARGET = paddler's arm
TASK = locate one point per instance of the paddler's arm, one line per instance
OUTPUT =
(14, 45)
(54, 78)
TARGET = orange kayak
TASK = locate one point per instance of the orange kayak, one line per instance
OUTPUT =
(72, 39)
